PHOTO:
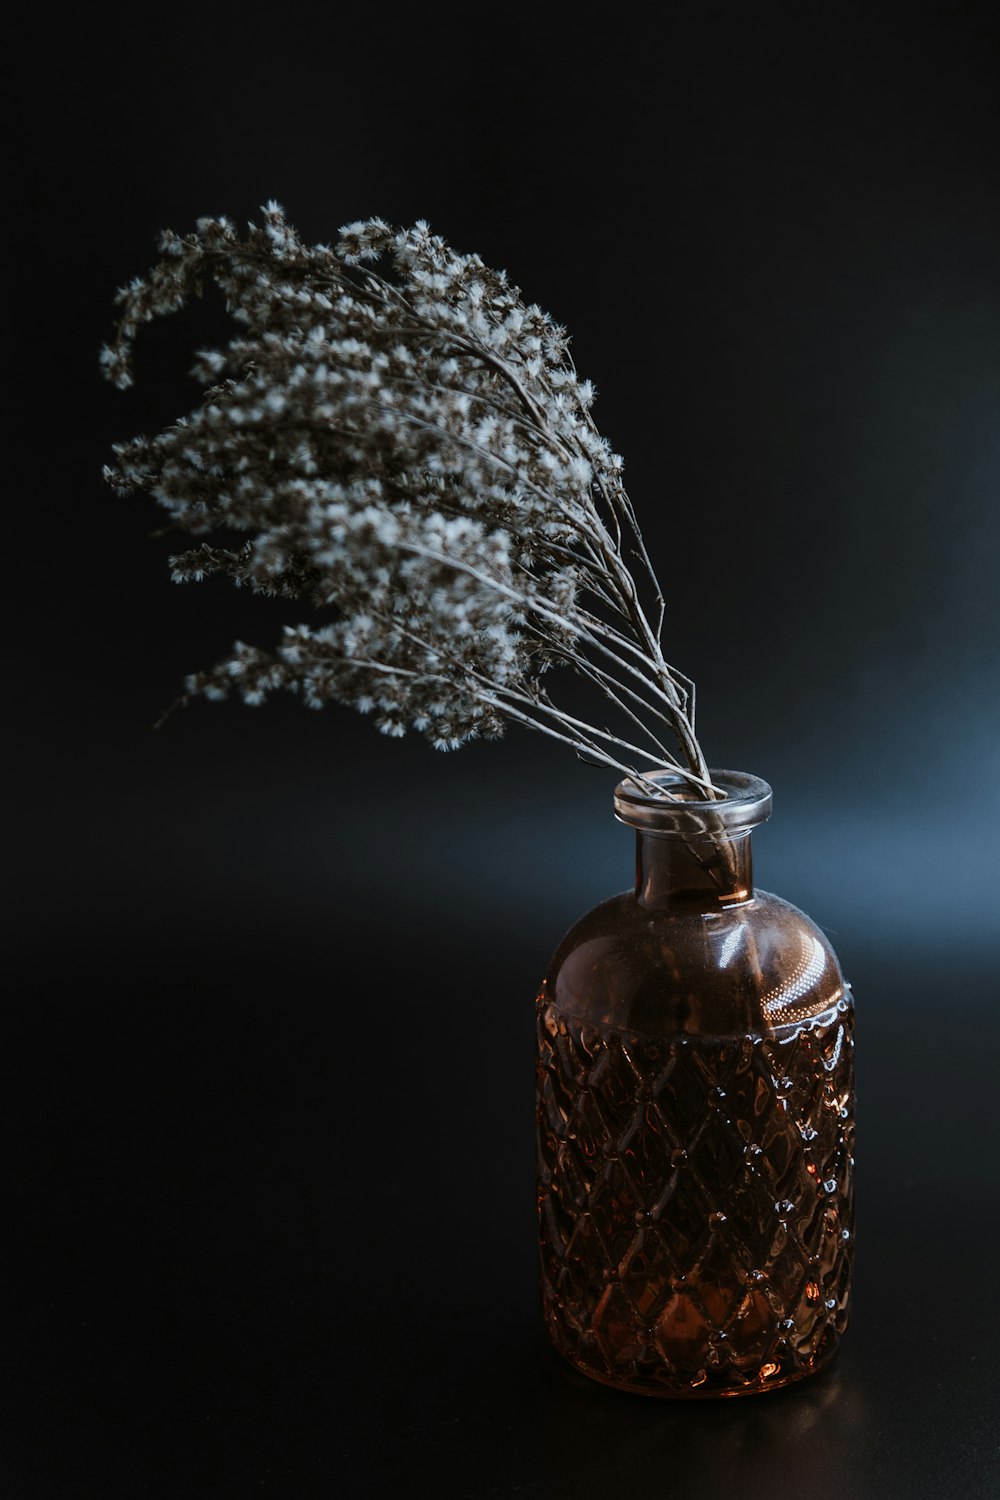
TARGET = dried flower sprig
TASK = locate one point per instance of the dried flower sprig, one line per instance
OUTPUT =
(409, 449)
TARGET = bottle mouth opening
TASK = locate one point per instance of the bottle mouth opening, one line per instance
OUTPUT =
(680, 810)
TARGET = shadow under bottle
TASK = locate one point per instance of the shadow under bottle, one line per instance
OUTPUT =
(695, 1111)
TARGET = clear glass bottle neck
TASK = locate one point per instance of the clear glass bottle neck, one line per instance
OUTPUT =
(686, 873)
(692, 853)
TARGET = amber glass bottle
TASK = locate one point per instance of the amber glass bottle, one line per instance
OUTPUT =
(695, 1117)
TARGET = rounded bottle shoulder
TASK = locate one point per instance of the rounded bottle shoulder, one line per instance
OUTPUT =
(752, 967)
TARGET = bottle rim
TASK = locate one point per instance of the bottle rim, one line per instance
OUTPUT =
(747, 802)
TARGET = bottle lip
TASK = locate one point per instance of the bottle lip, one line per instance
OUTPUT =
(746, 804)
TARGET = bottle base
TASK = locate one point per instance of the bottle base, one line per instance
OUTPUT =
(706, 1389)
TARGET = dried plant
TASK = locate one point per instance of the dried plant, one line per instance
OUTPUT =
(393, 436)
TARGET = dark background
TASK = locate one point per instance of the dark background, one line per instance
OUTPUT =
(269, 1037)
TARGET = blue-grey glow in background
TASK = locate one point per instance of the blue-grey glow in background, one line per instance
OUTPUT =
(777, 252)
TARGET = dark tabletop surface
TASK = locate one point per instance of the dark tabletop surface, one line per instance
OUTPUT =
(277, 1236)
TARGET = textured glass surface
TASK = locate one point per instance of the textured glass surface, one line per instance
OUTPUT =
(695, 1200)
(695, 1112)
